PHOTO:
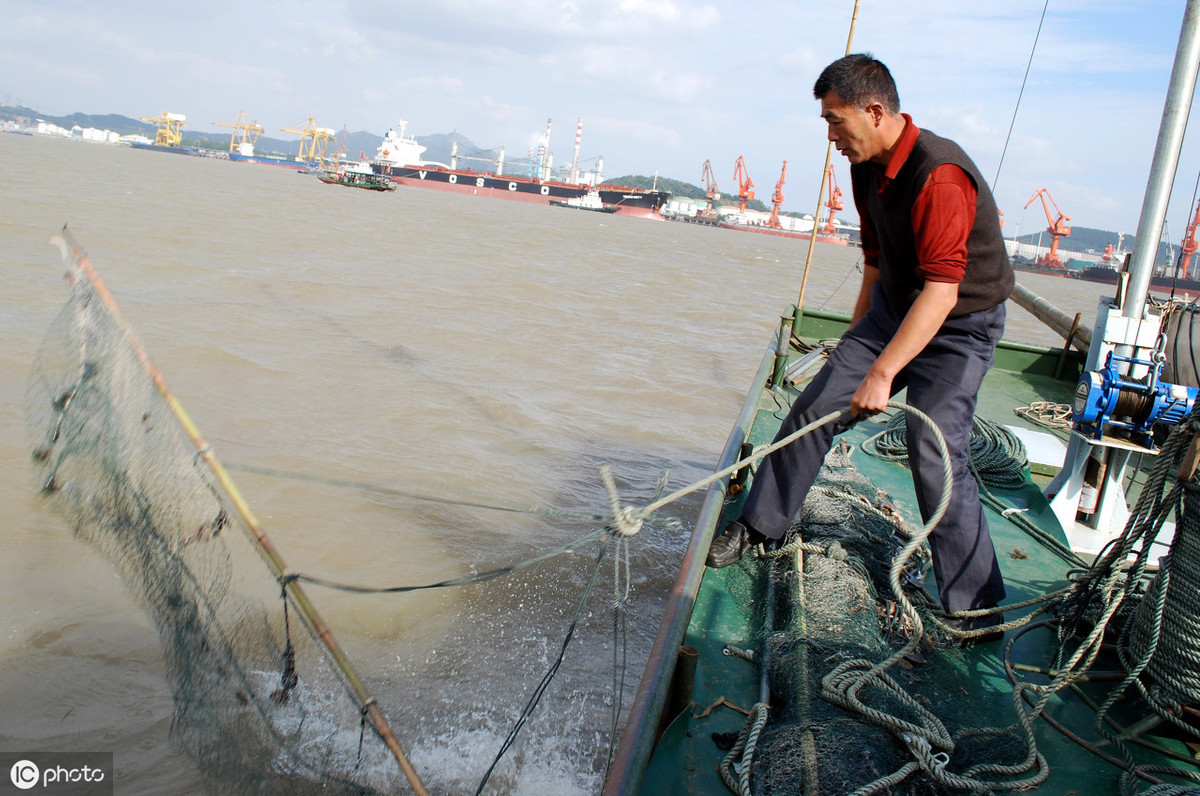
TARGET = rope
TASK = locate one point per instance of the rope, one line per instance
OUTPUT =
(1109, 589)
(1046, 414)
(547, 678)
(740, 759)
(995, 456)
(845, 684)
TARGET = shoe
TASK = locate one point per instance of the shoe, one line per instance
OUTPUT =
(733, 544)
(972, 624)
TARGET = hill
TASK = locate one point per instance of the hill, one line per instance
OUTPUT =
(1094, 241)
(439, 147)
(686, 190)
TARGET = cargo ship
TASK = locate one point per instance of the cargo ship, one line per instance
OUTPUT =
(400, 157)
(1109, 275)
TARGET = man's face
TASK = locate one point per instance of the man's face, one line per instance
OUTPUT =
(852, 130)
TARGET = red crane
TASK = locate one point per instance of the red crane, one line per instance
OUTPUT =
(1189, 245)
(745, 184)
(834, 203)
(1059, 227)
(777, 199)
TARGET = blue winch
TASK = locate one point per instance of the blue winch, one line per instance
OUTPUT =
(1105, 399)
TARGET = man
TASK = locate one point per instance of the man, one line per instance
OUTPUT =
(928, 317)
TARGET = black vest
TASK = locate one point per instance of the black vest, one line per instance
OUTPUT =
(989, 277)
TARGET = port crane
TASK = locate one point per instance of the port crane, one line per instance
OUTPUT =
(245, 134)
(1189, 246)
(710, 183)
(835, 204)
(777, 199)
(1060, 227)
(745, 184)
(168, 128)
(313, 140)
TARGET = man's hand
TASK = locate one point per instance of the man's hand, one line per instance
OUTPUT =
(919, 326)
(872, 395)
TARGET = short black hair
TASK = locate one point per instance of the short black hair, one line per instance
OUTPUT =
(859, 79)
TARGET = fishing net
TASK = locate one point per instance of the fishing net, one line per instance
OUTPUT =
(259, 705)
(842, 609)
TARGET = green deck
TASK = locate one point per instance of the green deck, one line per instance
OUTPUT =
(685, 759)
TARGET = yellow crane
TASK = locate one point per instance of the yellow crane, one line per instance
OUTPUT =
(168, 128)
(245, 134)
(313, 140)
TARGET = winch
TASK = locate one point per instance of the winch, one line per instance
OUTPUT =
(1104, 399)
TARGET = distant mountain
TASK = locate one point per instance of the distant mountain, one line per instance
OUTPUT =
(1093, 241)
(686, 190)
(439, 147)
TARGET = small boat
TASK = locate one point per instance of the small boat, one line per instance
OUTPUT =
(589, 201)
(353, 177)
(826, 666)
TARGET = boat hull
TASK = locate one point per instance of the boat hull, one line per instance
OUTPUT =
(628, 201)
(291, 164)
(786, 233)
(1109, 276)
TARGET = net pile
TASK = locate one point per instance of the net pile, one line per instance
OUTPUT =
(259, 706)
(810, 744)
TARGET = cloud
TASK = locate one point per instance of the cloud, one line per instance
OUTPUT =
(433, 84)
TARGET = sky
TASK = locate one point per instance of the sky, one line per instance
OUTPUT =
(661, 85)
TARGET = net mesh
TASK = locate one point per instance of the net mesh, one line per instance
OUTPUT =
(259, 706)
(810, 744)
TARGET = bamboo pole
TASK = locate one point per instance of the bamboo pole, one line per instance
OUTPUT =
(812, 241)
(77, 260)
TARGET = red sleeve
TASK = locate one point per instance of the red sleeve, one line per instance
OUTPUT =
(942, 218)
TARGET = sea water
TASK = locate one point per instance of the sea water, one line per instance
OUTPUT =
(368, 348)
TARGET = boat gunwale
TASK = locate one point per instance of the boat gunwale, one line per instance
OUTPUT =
(640, 734)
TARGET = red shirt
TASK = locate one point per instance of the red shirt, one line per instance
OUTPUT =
(942, 215)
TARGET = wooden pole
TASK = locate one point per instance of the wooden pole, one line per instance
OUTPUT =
(812, 241)
(77, 260)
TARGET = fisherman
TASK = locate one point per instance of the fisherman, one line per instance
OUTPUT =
(928, 316)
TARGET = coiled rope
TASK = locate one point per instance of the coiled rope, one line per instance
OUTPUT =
(995, 455)
(998, 460)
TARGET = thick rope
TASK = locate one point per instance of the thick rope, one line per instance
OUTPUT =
(845, 684)
(741, 755)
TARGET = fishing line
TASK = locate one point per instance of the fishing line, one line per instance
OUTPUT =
(387, 490)
(1020, 94)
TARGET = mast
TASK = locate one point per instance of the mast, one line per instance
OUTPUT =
(1166, 159)
(545, 169)
(1093, 465)
(575, 159)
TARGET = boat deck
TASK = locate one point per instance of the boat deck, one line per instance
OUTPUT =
(965, 688)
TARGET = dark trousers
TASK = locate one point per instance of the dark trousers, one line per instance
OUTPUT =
(943, 382)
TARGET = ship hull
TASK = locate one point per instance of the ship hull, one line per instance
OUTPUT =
(785, 233)
(628, 201)
(1109, 276)
(291, 164)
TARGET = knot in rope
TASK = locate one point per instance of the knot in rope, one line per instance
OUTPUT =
(627, 521)
(922, 750)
